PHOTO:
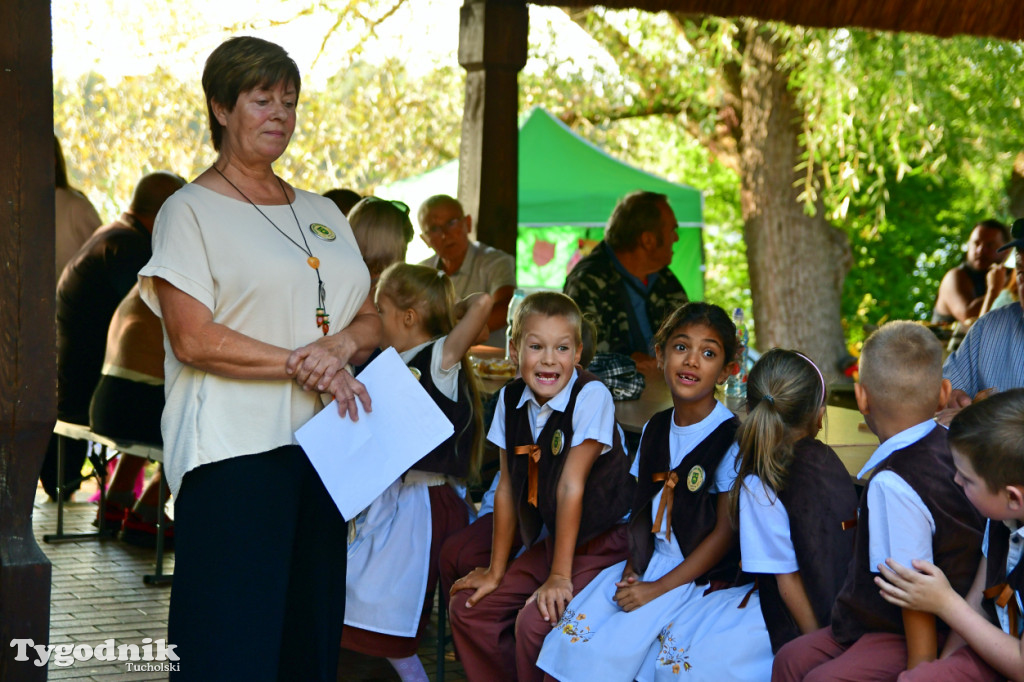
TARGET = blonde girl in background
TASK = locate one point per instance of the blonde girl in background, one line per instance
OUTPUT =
(394, 552)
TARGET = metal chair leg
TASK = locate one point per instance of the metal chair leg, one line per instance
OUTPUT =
(159, 578)
(60, 535)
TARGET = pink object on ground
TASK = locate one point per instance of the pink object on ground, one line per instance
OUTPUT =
(140, 480)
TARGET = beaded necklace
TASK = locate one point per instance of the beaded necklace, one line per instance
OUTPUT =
(323, 320)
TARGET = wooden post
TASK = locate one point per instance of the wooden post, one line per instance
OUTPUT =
(27, 338)
(492, 49)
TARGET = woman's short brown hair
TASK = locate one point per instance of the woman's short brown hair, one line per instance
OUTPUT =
(239, 65)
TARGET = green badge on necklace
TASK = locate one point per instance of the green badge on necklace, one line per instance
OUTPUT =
(322, 232)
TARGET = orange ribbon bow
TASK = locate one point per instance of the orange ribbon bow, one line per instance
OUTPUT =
(665, 506)
(1003, 594)
(533, 452)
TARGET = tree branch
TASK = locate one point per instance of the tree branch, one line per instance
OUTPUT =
(722, 141)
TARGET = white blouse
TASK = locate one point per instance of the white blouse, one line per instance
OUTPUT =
(227, 256)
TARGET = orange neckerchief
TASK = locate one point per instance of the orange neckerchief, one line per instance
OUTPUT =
(533, 452)
(1003, 594)
(665, 505)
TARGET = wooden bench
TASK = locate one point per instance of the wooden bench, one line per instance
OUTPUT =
(154, 453)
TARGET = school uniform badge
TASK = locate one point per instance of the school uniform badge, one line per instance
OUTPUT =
(695, 479)
(415, 373)
(557, 441)
(322, 232)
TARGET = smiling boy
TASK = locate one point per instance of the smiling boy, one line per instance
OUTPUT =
(564, 478)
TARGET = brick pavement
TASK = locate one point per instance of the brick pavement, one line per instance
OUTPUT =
(97, 593)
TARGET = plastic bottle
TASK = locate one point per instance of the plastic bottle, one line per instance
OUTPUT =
(736, 384)
(517, 298)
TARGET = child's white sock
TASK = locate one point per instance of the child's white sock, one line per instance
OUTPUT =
(410, 669)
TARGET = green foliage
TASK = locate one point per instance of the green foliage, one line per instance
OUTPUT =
(371, 123)
(114, 133)
(907, 139)
(913, 141)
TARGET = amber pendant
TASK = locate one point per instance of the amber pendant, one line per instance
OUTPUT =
(314, 262)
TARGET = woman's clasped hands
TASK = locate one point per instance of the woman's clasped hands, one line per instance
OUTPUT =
(321, 366)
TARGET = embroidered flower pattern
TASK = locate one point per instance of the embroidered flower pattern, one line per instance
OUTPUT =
(671, 654)
(571, 625)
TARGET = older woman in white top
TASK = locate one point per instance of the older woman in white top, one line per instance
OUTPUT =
(264, 300)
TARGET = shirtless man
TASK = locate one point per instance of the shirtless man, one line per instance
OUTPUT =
(963, 288)
(127, 405)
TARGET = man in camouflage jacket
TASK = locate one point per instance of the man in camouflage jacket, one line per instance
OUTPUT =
(624, 284)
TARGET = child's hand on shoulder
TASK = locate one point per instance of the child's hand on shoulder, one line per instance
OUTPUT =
(632, 593)
(482, 581)
(552, 597)
(924, 589)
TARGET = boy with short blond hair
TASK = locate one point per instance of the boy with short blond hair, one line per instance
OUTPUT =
(564, 476)
(987, 440)
(910, 509)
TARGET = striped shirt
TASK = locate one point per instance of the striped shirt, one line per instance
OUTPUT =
(991, 355)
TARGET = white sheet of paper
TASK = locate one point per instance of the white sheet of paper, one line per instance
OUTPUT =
(358, 460)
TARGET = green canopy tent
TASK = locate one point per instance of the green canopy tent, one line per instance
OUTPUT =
(567, 190)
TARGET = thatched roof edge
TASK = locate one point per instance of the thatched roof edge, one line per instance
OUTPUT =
(992, 18)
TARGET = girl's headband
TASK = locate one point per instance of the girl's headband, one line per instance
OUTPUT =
(820, 377)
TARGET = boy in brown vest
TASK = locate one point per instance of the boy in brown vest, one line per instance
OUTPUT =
(564, 476)
(910, 509)
(987, 439)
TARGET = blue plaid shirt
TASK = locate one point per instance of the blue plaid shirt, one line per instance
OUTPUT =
(992, 353)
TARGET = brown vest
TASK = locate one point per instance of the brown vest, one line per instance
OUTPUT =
(452, 457)
(927, 466)
(998, 549)
(694, 512)
(820, 500)
(609, 486)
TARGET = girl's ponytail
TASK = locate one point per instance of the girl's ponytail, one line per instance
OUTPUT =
(785, 392)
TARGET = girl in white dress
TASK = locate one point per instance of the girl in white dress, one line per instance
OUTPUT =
(796, 505)
(394, 545)
(679, 541)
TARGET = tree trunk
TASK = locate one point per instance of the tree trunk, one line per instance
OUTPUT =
(797, 262)
(1015, 187)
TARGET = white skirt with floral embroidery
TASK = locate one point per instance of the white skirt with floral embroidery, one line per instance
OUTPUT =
(717, 637)
(597, 640)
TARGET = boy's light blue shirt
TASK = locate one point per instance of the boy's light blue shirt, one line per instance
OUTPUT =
(900, 526)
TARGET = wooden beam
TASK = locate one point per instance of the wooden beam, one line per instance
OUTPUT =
(492, 49)
(991, 18)
(27, 338)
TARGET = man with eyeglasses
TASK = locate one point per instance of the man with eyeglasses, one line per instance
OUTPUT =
(471, 265)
